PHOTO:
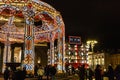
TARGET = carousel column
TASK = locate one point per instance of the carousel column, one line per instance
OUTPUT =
(29, 40)
(63, 52)
(7, 48)
(29, 49)
(59, 65)
(52, 55)
(6, 54)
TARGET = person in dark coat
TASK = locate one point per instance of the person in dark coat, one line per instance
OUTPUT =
(6, 73)
(98, 73)
(110, 73)
(24, 72)
(66, 68)
(73, 70)
(90, 74)
(36, 69)
(19, 74)
(52, 72)
(82, 72)
(117, 72)
(11, 75)
(47, 71)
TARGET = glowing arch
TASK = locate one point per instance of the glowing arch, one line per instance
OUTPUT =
(29, 11)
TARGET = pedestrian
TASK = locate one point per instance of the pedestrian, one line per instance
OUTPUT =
(24, 72)
(90, 74)
(11, 75)
(19, 75)
(110, 73)
(36, 69)
(40, 72)
(6, 73)
(66, 68)
(52, 72)
(47, 71)
(82, 72)
(73, 70)
(117, 72)
(98, 73)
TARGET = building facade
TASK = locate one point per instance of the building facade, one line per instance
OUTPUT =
(103, 59)
(76, 55)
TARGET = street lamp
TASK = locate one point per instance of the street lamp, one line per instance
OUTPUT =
(92, 43)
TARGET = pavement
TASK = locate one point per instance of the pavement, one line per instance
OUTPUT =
(63, 77)
(43, 79)
(58, 77)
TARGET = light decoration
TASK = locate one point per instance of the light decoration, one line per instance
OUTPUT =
(29, 10)
(84, 53)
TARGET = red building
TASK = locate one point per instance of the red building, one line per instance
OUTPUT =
(76, 53)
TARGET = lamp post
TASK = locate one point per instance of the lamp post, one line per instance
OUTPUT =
(92, 43)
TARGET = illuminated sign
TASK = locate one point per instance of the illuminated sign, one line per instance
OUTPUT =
(74, 40)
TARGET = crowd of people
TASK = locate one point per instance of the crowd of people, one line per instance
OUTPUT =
(98, 73)
(39, 71)
(49, 72)
(18, 74)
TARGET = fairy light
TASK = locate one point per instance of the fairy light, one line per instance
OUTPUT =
(39, 7)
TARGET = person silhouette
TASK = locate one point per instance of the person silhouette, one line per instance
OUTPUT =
(6, 73)
(110, 73)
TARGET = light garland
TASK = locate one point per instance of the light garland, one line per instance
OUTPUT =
(46, 9)
(51, 30)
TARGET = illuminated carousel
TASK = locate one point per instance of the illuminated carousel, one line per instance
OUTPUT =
(17, 25)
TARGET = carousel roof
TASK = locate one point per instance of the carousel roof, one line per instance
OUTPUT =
(13, 15)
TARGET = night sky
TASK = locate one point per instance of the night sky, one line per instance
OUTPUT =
(91, 19)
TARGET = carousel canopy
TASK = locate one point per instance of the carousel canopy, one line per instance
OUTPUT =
(13, 18)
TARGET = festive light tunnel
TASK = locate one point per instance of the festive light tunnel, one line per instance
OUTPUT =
(18, 18)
